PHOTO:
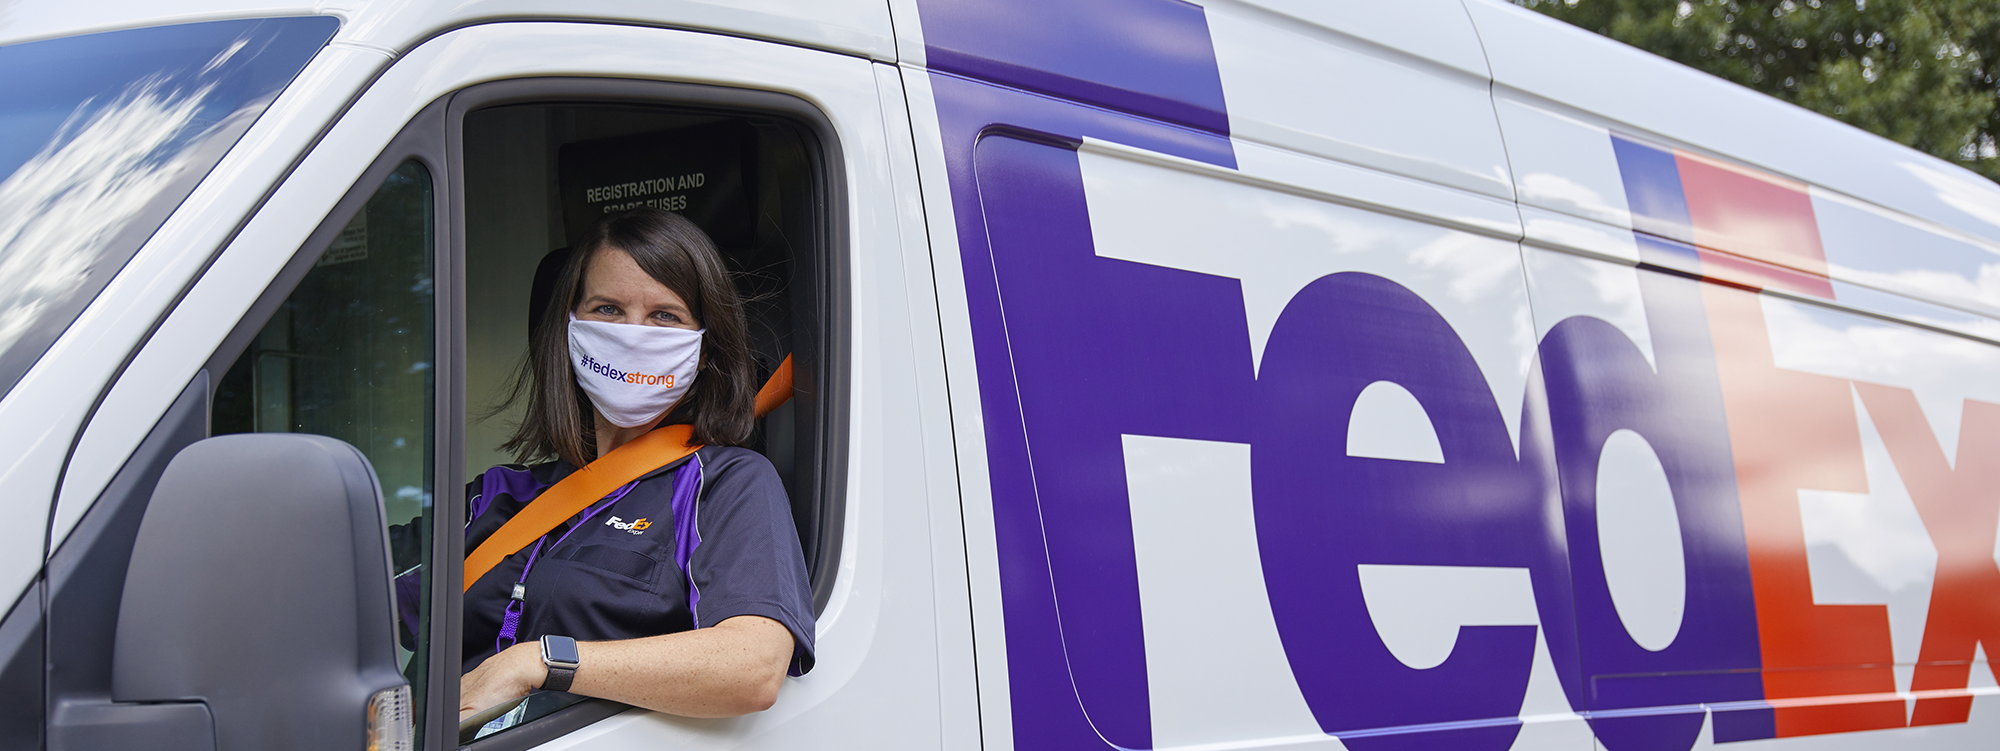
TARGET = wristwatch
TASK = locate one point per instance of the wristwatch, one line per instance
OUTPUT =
(560, 655)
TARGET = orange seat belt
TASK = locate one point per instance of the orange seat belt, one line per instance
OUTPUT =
(777, 389)
(594, 481)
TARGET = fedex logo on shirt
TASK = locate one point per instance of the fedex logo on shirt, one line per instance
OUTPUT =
(636, 526)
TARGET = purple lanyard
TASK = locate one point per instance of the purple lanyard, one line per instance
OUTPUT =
(510, 619)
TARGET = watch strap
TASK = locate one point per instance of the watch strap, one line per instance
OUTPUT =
(558, 678)
(560, 674)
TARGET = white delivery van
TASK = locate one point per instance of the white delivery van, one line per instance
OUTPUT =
(1207, 375)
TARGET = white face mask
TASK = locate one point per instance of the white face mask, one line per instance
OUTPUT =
(633, 372)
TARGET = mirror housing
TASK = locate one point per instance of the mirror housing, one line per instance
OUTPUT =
(259, 588)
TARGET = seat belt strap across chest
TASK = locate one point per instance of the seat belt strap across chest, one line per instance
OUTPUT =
(589, 484)
(577, 492)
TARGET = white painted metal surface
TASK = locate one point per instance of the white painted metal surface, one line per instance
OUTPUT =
(856, 27)
(1564, 286)
(1539, 56)
(1387, 422)
(1358, 101)
(968, 431)
(1639, 540)
(1561, 164)
(957, 671)
(1435, 31)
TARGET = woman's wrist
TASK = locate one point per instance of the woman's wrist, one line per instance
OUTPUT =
(529, 669)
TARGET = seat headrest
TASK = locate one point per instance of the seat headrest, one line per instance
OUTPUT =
(542, 293)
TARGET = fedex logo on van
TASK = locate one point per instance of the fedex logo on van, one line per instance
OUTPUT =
(1410, 484)
(1332, 448)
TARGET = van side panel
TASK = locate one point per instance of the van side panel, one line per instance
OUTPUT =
(1082, 686)
(1151, 58)
(1811, 305)
(1292, 445)
(1098, 363)
(1046, 704)
(1801, 439)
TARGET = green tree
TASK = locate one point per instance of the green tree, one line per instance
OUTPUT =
(1919, 72)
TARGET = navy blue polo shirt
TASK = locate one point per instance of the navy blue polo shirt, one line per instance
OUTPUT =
(614, 576)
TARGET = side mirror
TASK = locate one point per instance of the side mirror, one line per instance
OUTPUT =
(259, 594)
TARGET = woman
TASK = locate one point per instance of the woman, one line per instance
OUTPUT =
(644, 292)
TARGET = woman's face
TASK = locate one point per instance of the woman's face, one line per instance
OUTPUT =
(616, 290)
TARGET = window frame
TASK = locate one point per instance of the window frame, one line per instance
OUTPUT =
(420, 140)
(827, 348)
(829, 343)
(434, 137)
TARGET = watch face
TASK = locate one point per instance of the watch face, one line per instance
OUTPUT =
(560, 649)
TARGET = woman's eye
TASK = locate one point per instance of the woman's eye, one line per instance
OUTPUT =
(606, 310)
(666, 317)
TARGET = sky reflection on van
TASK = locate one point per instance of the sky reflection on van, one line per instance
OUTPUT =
(101, 136)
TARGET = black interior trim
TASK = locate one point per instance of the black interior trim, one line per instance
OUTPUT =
(21, 672)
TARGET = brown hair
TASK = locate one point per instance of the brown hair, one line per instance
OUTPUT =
(674, 252)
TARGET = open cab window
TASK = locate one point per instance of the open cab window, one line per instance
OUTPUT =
(537, 174)
(399, 327)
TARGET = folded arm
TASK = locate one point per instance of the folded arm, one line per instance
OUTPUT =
(732, 668)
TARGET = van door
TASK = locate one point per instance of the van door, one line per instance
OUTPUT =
(1258, 456)
(384, 305)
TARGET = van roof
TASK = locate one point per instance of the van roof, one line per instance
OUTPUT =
(1532, 53)
(1528, 52)
(857, 27)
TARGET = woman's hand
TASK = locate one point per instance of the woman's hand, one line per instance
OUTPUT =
(503, 677)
